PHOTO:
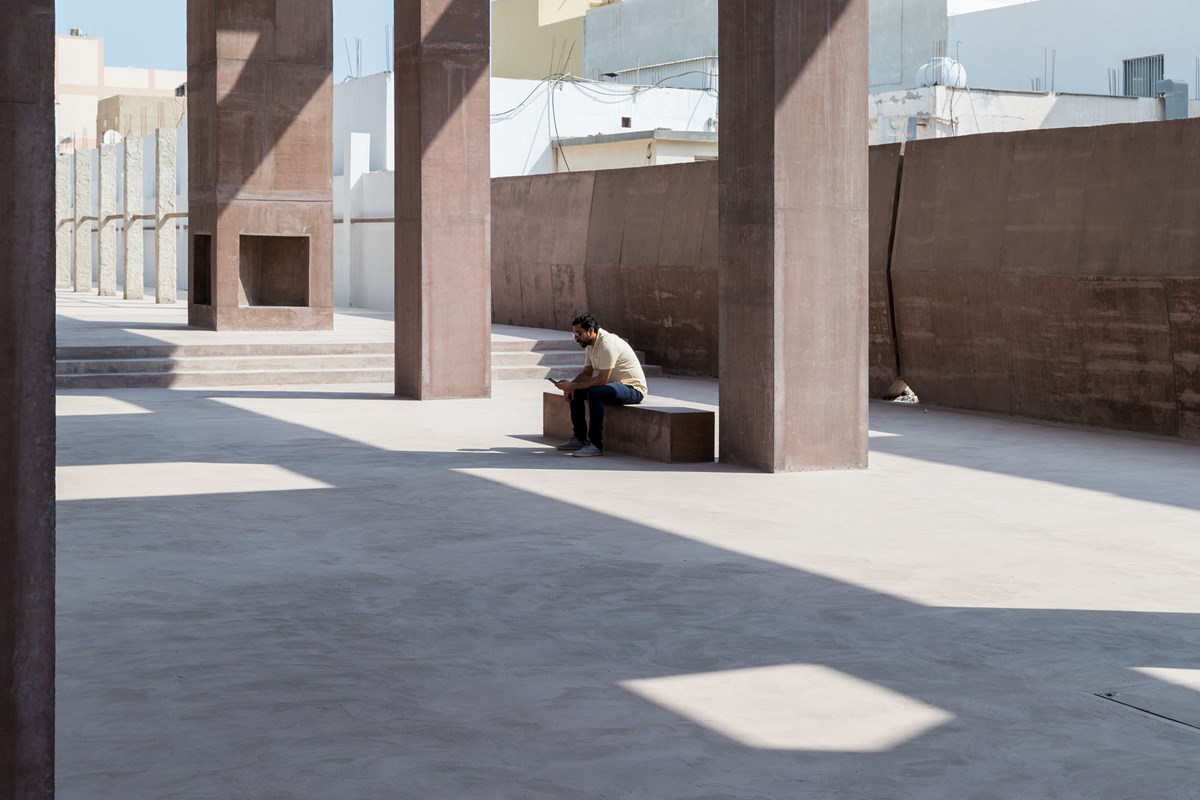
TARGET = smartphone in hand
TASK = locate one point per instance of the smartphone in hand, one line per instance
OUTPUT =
(553, 380)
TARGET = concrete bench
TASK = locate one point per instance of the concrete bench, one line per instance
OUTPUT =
(670, 434)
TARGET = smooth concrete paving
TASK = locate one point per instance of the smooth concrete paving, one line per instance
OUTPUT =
(86, 320)
(331, 593)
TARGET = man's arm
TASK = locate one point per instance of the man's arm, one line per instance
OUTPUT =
(586, 380)
(580, 381)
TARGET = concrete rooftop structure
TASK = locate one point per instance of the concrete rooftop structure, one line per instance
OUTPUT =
(332, 592)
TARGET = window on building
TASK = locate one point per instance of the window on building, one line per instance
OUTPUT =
(1142, 75)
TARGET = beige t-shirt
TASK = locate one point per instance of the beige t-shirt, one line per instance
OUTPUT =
(612, 352)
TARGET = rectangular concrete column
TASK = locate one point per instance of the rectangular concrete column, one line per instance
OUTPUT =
(356, 162)
(793, 233)
(63, 219)
(27, 244)
(443, 200)
(83, 221)
(166, 273)
(108, 219)
(260, 156)
(135, 243)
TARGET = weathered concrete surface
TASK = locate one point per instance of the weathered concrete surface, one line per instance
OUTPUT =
(260, 99)
(540, 236)
(659, 431)
(166, 272)
(27, 278)
(415, 601)
(135, 245)
(1184, 311)
(885, 174)
(1059, 281)
(108, 220)
(443, 200)
(63, 193)
(793, 234)
(83, 225)
(636, 247)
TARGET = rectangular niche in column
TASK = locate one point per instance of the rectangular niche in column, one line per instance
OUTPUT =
(273, 271)
(201, 293)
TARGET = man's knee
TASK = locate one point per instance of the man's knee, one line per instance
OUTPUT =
(602, 395)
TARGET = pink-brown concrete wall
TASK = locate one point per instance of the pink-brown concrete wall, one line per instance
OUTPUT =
(885, 171)
(1055, 274)
(1051, 274)
(636, 247)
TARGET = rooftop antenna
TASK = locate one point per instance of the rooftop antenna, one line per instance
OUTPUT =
(349, 62)
(566, 56)
(358, 52)
(387, 48)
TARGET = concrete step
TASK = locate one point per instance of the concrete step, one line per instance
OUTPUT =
(226, 364)
(548, 358)
(215, 350)
(532, 372)
(530, 345)
(161, 366)
(176, 380)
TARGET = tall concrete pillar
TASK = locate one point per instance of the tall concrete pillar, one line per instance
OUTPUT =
(108, 219)
(356, 162)
(443, 200)
(166, 273)
(63, 192)
(83, 221)
(260, 150)
(793, 233)
(135, 242)
(27, 400)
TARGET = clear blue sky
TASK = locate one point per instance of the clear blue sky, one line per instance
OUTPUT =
(152, 33)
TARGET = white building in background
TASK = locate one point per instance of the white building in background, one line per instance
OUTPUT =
(81, 81)
(530, 119)
(537, 126)
(674, 42)
(936, 112)
(905, 35)
(1080, 46)
(652, 43)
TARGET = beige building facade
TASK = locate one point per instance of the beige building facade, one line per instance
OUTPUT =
(535, 38)
(139, 115)
(633, 149)
(81, 81)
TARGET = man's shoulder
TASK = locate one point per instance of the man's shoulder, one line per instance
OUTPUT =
(610, 339)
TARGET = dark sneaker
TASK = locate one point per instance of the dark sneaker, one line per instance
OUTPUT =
(588, 451)
(571, 444)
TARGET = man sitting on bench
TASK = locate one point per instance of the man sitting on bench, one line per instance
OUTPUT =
(611, 376)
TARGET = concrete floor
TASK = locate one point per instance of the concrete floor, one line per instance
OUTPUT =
(330, 593)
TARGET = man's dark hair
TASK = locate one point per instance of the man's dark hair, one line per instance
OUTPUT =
(586, 321)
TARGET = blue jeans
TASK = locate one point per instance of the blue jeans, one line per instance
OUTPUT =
(595, 399)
